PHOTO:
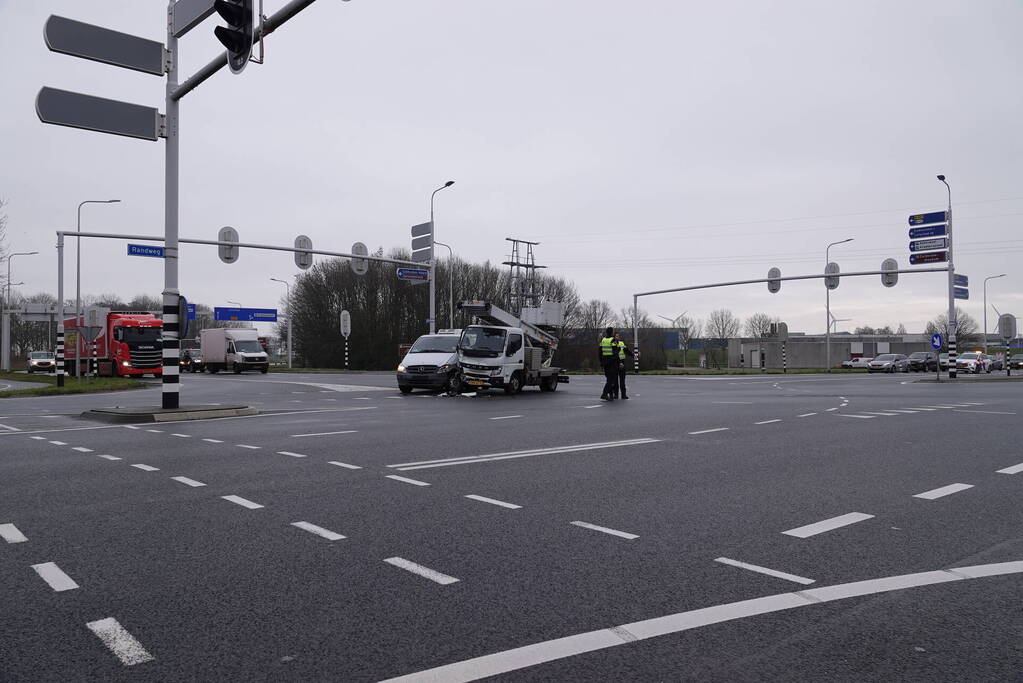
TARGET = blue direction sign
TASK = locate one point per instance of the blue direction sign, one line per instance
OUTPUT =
(962, 280)
(961, 292)
(925, 218)
(145, 250)
(928, 231)
(931, 257)
(413, 274)
(936, 341)
(929, 245)
(254, 315)
(191, 311)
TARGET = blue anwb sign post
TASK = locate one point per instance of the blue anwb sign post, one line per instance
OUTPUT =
(145, 250)
(252, 315)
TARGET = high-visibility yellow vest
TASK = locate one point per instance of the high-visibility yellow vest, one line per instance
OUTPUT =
(621, 350)
(606, 345)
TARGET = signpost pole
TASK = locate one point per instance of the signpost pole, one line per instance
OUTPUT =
(952, 322)
(171, 345)
(60, 310)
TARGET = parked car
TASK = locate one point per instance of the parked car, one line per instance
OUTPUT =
(41, 361)
(943, 361)
(1016, 361)
(923, 361)
(856, 363)
(995, 363)
(972, 361)
(889, 362)
(431, 363)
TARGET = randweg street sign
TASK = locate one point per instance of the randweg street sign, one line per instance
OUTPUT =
(929, 245)
(961, 292)
(928, 231)
(100, 44)
(932, 257)
(145, 250)
(413, 274)
(75, 110)
(925, 218)
(962, 280)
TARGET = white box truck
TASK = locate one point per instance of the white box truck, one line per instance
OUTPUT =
(232, 349)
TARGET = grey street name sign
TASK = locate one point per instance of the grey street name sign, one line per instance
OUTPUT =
(187, 14)
(75, 110)
(422, 229)
(100, 44)
(1007, 325)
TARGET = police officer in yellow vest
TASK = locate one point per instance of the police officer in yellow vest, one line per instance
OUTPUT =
(608, 355)
(621, 351)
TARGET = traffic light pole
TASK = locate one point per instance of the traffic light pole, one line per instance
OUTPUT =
(171, 343)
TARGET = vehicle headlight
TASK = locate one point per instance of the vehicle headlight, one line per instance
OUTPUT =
(125, 363)
(496, 372)
(446, 367)
(401, 368)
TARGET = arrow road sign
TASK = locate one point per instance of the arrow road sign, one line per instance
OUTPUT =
(961, 292)
(258, 315)
(928, 231)
(925, 218)
(936, 341)
(145, 250)
(929, 245)
(72, 109)
(932, 257)
(100, 44)
(962, 280)
(413, 274)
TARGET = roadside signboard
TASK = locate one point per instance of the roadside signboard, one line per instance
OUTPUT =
(961, 292)
(75, 110)
(145, 250)
(420, 274)
(258, 315)
(928, 231)
(346, 324)
(925, 218)
(191, 311)
(962, 280)
(99, 44)
(932, 257)
(929, 245)
(189, 13)
(422, 242)
(937, 341)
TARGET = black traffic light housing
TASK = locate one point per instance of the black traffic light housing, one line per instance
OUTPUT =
(237, 35)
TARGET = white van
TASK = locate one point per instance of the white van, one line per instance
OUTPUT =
(431, 363)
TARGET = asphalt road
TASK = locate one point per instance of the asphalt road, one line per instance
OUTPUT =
(803, 527)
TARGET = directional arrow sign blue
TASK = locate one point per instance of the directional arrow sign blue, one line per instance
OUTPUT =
(961, 292)
(936, 341)
(929, 245)
(191, 311)
(962, 280)
(929, 231)
(145, 250)
(257, 315)
(413, 274)
(925, 218)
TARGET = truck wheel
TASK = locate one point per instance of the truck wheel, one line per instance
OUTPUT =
(237, 369)
(549, 383)
(212, 369)
(404, 388)
(264, 370)
(514, 384)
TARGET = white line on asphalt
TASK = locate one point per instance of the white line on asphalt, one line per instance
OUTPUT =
(245, 445)
(1015, 469)
(424, 464)
(155, 431)
(599, 405)
(830, 409)
(764, 570)
(505, 417)
(973, 404)
(55, 576)
(806, 415)
(344, 464)
(708, 431)
(827, 525)
(731, 402)
(147, 468)
(407, 480)
(626, 634)
(182, 436)
(897, 410)
(318, 530)
(985, 412)
(131, 427)
(425, 572)
(190, 482)
(59, 443)
(943, 491)
(347, 431)
(766, 422)
(12, 429)
(294, 455)
(362, 398)
(38, 438)
(874, 412)
(604, 529)
(119, 641)
(492, 501)
(213, 440)
(864, 417)
(11, 534)
(935, 407)
(81, 449)
(245, 503)
(108, 457)
(929, 410)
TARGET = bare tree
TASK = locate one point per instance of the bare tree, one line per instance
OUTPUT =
(967, 329)
(594, 314)
(901, 330)
(629, 319)
(759, 325)
(722, 324)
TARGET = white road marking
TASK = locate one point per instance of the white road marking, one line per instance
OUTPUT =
(12, 429)
(425, 572)
(830, 409)
(806, 415)
(119, 641)
(131, 427)
(1015, 469)
(147, 468)
(985, 412)
(362, 398)
(344, 464)
(11, 534)
(733, 402)
(155, 431)
(764, 570)
(55, 576)
(245, 445)
(519, 454)
(873, 412)
(604, 529)
(294, 455)
(81, 449)
(865, 417)
(38, 438)
(190, 482)
(318, 530)
(935, 407)
(973, 404)
(896, 410)
(625, 634)
(492, 501)
(59, 443)
(245, 503)
(766, 422)
(347, 431)
(827, 525)
(929, 410)
(182, 436)
(708, 431)
(943, 491)
(407, 480)
(599, 405)
(108, 457)
(213, 440)
(505, 417)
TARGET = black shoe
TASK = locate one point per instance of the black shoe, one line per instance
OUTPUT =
(625, 398)
(604, 397)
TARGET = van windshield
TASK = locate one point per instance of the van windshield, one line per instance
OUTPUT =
(487, 342)
(39, 355)
(248, 346)
(435, 343)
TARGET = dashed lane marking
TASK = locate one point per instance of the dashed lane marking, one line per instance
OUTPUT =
(929, 410)
(943, 491)
(708, 431)
(827, 525)
(415, 482)
(599, 405)
(886, 414)
(985, 412)
(124, 645)
(81, 449)
(108, 457)
(806, 415)
(146, 468)
(346, 431)
(344, 464)
(1015, 469)
(155, 431)
(318, 530)
(864, 417)
(59, 443)
(9, 428)
(213, 440)
(425, 572)
(505, 417)
(244, 502)
(182, 436)
(830, 409)
(131, 427)
(245, 445)
(465, 460)
(293, 455)
(766, 422)
(11, 534)
(189, 482)
(606, 530)
(764, 570)
(492, 501)
(55, 576)
(896, 410)
(38, 438)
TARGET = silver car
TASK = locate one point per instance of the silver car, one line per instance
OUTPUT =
(889, 362)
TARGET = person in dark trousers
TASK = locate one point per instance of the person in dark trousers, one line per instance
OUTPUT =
(621, 351)
(607, 353)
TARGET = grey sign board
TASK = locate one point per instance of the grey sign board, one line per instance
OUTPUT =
(1007, 326)
(346, 324)
(422, 229)
(100, 44)
(187, 14)
(422, 256)
(75, 110)
(424, 242)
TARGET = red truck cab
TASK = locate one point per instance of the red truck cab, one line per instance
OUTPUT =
(123, 343)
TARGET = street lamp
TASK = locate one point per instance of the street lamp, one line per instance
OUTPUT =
(78, 281)
(451, 284)
(993, 277)
(827, 320)
(235, 303)
(433, 261)
(288, 285)
(7, 304)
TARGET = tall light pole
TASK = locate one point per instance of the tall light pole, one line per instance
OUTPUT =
(288, 285)
(827, 300)
(433, 263)
(5, 335)
(953, 324)
(78, 282)
(993, 277)
(20, 253)
(451, 284)
(235, 303)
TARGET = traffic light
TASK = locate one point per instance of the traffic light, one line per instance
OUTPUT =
(237, 35)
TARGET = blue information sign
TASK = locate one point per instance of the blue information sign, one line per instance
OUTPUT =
(191, 311)
(936, 341)
(925, 218)
(253, 315)
(961, 292)
(145, 250)
(962, 280)
(929, 245)
(928, 231)
(413, 274)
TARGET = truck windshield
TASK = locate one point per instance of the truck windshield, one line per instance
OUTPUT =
(248, 346)
(140, 334)
(441, 343)
(483, 341)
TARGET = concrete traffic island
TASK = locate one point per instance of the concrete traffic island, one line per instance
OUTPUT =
(158, 414)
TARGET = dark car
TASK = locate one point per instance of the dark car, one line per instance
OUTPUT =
(995, 363)
(923, 361)
(1016, 361)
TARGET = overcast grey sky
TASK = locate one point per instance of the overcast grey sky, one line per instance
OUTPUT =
(646, 145)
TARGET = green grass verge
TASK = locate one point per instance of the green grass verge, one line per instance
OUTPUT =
(71, 385)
